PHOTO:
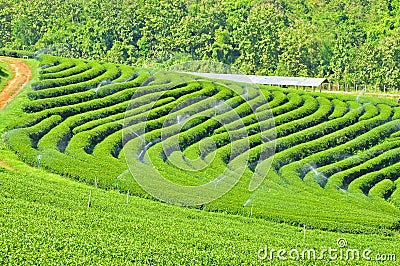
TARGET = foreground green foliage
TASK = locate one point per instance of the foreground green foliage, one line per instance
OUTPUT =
(326, 172)
(352, 42)
(45, 220)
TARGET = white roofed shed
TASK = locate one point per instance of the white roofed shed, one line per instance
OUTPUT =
(266, 80)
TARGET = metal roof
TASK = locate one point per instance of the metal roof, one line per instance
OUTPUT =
(267, 80)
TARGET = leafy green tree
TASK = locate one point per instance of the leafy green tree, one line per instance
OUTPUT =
(300, 50)
(222, 49)
(258, 40)
(352, 42)
(6, 9)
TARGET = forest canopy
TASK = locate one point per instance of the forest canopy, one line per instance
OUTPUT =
(347, 41)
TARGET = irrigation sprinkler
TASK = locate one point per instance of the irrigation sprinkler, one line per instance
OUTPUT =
(304, 230)
(143, 151)
(118, 178)
(317, 174)
(96, 182)
(116, 183)
(216, 181)
(90, 200)
(104, 82)
(246, 95)
(320, 175)
(96, 89)
(39, 158)
(180, 118)
(127, 197)
(245, 204)
(344, 191)
(217, 105)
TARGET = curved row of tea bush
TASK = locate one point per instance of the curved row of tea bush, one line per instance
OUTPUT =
(86, 119)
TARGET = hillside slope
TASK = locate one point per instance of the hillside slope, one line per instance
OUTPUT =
(45, 220)
(338, 154)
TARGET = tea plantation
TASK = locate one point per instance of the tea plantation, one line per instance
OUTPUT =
(45, 221)
(335, 158)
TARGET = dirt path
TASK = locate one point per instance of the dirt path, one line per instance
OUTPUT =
(22, 75)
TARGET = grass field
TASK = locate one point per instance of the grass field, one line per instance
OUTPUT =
(334, 168)
(45, 220)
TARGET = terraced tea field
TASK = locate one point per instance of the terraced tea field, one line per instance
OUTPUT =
(45, 220)
(328, 161)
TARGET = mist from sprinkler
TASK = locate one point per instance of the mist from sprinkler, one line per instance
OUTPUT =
(180, 119)
(217, 181)
(249, 200)
(317, 175)
(246, 94)
(39, 158)
(217, 106)
(143, 151)
(361, 93)
(120, 178)
(45, 50)
(358, 99)
(139, 136)
(104, 82)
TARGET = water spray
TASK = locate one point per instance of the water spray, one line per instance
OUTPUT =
(119, 177)
(90, 199)
(246, 94)
(180, 118)
(104, 82)
(318, 175)
(127, 197)
(139, 136)
(217, 105)
(143, 151)
(39, 158)
(245, 204)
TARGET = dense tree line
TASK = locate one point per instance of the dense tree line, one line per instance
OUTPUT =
(351, 41)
